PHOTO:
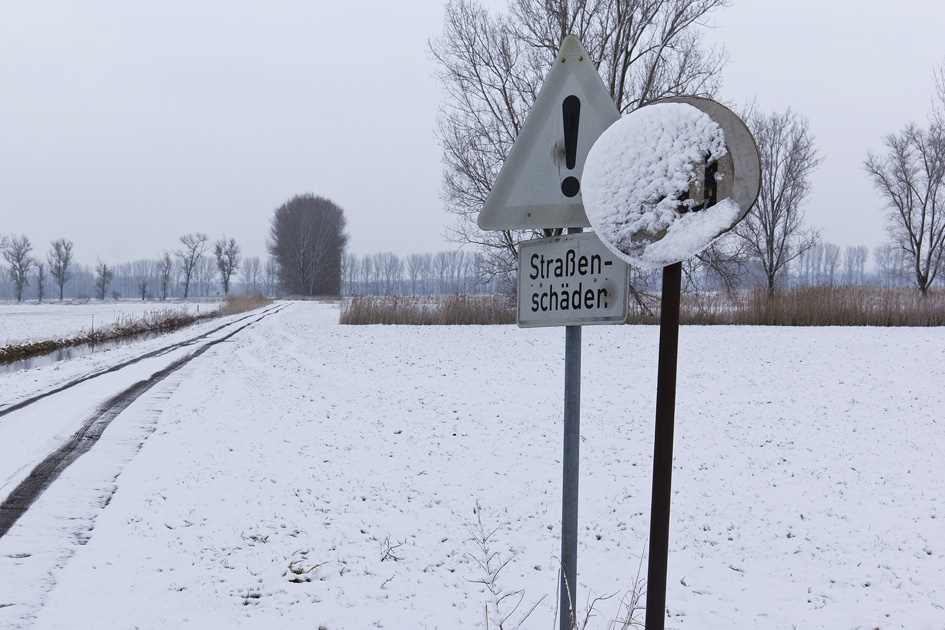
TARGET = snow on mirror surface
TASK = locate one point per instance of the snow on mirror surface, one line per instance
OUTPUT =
(637, 176)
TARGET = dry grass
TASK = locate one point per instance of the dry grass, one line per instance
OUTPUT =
(236, 304)
(428, 310)
(153, 322)
(817, 306)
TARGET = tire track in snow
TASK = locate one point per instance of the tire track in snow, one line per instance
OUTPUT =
(48, 470)
(154, 353)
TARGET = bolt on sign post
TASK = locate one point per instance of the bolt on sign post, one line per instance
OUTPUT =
(659, 186)
(569, 280)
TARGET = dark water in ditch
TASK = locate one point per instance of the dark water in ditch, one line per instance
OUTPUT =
(73, 352)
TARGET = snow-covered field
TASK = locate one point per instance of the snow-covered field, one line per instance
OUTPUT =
(25, 322)
(313, 475)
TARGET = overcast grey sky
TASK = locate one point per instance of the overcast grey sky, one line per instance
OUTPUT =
(126, 124)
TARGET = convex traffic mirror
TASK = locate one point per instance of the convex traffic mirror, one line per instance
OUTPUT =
(663, 182)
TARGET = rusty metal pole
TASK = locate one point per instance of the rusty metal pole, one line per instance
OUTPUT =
(663, 448)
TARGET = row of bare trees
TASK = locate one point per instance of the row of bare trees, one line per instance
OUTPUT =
(193, 269)
(165, 278)
(17, 252)
(823, 264)
(414, 274)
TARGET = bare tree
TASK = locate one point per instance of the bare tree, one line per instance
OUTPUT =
(888, 259)
(816, 262)
(103, 277)
(307, 238)
(849, 266)
(165, 269)
(831, 263)
(802, 267)
(252, 268)
(441, 264)
(414, 267)
(194, 245)
(491, 67)
(60, 263)
(390, 270)
(426, 273)
(204, 275)
(370, 274)
(227, 254)
(854, 262)
(350, 267)
(40, 280)
(773, 230)
(271, 277)
(723, 265)
(908, 175)
(17, 254)
(142, 271)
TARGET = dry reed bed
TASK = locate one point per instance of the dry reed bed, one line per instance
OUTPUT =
(428, 310)
(817, 306)
(153, 322)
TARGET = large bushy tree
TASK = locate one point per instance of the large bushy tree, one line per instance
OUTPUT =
(307, 239)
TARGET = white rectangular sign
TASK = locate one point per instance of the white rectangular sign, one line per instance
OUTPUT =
(571, 280)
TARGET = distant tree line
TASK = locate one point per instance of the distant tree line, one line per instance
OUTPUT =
(415, 274)
(386, 273)
(821, 265)
(306, 244)
(193, 270)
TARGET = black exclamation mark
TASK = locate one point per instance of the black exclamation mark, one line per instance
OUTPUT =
(571, 113)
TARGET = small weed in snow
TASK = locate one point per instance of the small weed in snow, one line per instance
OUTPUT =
(388, 549)
(491, 565)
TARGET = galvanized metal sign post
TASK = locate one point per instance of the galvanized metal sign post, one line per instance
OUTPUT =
(571, 280)
(568, 282)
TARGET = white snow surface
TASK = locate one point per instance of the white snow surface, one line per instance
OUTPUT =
(23, 322)
(635, 173)
(337, 476)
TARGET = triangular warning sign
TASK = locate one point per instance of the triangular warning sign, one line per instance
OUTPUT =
(539, 185)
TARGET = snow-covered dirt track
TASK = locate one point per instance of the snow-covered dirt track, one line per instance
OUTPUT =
(305, 472)
(35, 424)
